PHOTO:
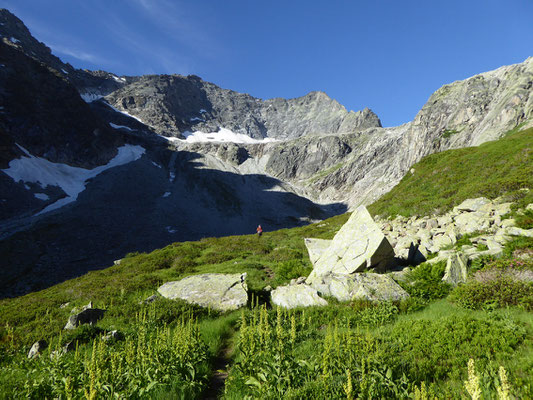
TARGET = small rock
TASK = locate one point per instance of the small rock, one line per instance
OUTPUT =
(507, 223)
(502, 209)
(113, 335)
(519, 232)
(87, 316)
(37, 348)
(300, 280)
(432, 224)
(70, 346)
(456, 269)
(150, 299)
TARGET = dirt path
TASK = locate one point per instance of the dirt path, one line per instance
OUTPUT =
(220, 367)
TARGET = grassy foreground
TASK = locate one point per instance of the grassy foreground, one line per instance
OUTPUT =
(419, 348)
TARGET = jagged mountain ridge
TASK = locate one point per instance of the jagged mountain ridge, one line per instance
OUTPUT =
(173, 104)
(324, 154)
(358, 168)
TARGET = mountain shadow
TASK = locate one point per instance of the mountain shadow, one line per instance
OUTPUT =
(161, 198)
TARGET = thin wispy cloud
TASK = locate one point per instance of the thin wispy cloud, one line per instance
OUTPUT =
(180, 23)
(76, 53)
(162, 58)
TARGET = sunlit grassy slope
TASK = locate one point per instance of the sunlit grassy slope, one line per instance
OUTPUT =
(442, 180)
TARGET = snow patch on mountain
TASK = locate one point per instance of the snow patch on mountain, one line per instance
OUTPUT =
(90, 97)
(71, 180)
(42, 196)
(223, 135)
(124, 112)
(120, 126)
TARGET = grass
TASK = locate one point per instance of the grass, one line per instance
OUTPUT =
(441, 181)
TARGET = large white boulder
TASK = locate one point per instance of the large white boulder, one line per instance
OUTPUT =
(218, 291)
(358, 245)
(316, 247)
(365, 286)
(292, 296)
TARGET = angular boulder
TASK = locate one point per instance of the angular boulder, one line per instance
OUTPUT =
(316, 247)
(472, 221)
(87, 316)
(519, 231)
(292, 296)
(472, 204)
(366, 286)
(456, 269)
(221, 292)
(358, 245)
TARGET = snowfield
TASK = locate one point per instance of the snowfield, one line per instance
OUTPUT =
(71, 180)
(124, 112)
(90, 97)
(120, 126)
(223, 135)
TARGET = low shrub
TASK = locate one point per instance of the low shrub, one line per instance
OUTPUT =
(425, 281)
(489, 291)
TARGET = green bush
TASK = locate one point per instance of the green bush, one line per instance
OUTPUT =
(500, 292)
(425, 282)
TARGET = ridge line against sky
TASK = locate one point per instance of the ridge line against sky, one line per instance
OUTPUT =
(387, 55)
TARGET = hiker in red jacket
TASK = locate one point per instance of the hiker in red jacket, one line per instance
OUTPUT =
(259, 230)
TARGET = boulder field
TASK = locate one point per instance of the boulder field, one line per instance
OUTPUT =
(367, 257)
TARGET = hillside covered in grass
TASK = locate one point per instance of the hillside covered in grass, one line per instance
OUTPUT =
(442, 180)
(417, 347)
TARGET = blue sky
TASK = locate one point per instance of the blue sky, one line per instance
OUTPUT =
(388, 55)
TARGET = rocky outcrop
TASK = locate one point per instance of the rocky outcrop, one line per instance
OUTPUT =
(221, 292)
(292, 296)
(359, 245)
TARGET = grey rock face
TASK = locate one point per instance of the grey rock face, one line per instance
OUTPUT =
(359, 167)
(365, 286)
(173, 104)
(87, 316)
(358, 245)
(300, 295)
(219, 291)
